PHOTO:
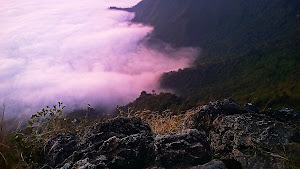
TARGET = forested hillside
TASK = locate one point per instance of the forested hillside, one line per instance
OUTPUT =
(250, 48)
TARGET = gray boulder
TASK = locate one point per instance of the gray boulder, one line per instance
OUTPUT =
(128, 143)
(201, 118)
(186, 149)
(245, 136)
(213, 164)
(249, 138)
(59, 148)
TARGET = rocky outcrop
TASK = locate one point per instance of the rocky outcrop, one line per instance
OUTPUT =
(59, 148)
(240, 136)
(240, 131)
(128, 143)
(188, 148)
(284, 114)
(235, 136)
(246, 134)
(202, 117)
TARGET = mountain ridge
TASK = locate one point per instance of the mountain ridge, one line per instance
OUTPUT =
(249, 48)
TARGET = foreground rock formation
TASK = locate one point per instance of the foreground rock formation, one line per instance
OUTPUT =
(239, 136)
(251, 137)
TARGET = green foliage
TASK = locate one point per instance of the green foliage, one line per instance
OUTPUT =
(249, 49)
(268, 79)
(120, 110)
(157, 102)
(26, 147)
(89, 113)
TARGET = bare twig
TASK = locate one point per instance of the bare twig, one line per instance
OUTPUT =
(24, 160)
(4, 145)
(46, 166)
(4, 158)
(183, 104)
(18, 129)
(278, 156)
(266, 106)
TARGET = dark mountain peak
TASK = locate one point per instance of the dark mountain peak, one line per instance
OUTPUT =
(249, 48)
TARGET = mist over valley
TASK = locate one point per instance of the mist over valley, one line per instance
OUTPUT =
(79, 53)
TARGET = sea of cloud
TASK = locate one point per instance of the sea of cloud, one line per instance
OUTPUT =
(77, 52)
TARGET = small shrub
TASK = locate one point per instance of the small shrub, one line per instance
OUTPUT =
(25, 148)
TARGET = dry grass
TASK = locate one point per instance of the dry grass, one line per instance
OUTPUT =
(161, 123)
(3, 147)
(3, 161)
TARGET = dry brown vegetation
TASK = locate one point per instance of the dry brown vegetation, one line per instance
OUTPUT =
(4, 148)
(165, 122)
(3, 161)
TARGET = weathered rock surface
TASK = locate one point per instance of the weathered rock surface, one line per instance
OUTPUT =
(245, 133)
(128, 143)
(188, 148)
(241, 136)
(284, 114)
(213, 164)
(244, 130)
(59, 148)
(202, 117)
(235, 136)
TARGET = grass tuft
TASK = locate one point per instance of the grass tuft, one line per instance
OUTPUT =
(161, 123)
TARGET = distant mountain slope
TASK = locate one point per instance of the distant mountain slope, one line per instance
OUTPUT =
(224, 25)
(250, 48)
(158, 102)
